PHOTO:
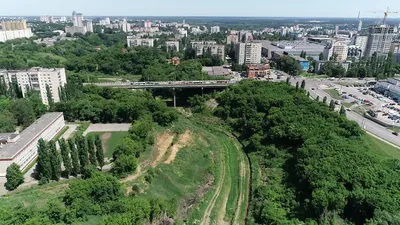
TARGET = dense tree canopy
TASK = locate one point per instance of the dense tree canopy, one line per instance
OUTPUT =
(309, 163)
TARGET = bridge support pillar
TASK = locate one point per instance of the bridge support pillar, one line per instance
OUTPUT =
(174, 93)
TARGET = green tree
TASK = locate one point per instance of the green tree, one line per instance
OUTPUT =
(342, 111)
(43, 165)
(65, 154)
(308, 94)
(23, 112)
(124, 165)
(55, 161)
(99, 151)
(74, 157)
(49, 96)
(14, 177)
(317, 99)
(91, 151)
(288, 80)
(83, 151)
(324, 99)
(297, 86)
(332, 105)
(303, 84)
(321, 56)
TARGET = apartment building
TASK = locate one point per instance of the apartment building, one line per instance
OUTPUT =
(209, 47)
(11, 30)
(172, 45)
(22, 148)
(37, 78)
(379, 40)
(215, 29)
(248, 53)
(340, 49)
(133, 41)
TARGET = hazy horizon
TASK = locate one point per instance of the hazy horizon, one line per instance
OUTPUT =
(205, 8)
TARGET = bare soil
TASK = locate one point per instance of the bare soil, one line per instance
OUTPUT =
(163, 142)
(104, 138)
(183, 140)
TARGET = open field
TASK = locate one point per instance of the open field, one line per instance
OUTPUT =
(111, 141)
(132, 78)
(382, 149)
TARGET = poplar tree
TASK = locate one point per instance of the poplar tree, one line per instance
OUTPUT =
(92, 155)
(99, 151)
(65, 154)
(55, 161)
(74, 157)
(83, 152)
(43, 165)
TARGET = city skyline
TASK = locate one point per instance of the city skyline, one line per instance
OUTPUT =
(306, 8)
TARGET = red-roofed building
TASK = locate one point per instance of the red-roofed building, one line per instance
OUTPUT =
(258, 70)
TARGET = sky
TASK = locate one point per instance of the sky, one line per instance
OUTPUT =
(236, 8)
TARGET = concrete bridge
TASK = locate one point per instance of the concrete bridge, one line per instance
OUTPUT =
(167, 85)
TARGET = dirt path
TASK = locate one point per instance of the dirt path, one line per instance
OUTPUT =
(163, 142)
(183, 140)
(104, 138)
(139, 172)
(243, 189)
(205, 220)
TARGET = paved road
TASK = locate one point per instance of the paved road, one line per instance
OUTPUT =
(368, 125)
(107, 127)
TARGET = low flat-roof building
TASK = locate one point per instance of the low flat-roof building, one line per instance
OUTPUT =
(22, 148)
(258, 70)
(217, 71)
(292, 48)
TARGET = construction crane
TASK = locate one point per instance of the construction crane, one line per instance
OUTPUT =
(385, 13)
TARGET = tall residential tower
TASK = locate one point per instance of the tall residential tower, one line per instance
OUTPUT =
(379, 40)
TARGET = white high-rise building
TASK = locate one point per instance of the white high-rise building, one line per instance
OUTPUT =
(37, 79)
(14, 29)
(340, 49)
(248, 53)
(107, 21)
(126, 27)
(89, 26)
(215, 29)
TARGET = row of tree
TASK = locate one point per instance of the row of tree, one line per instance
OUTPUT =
(74, 155)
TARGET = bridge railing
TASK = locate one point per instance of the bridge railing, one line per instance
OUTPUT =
(165, 83)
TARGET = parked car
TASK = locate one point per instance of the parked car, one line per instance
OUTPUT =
(395, 133)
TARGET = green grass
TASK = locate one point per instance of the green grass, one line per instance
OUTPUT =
(60, 133)
(347, 104)
(382, 149)
(29, 166)
(112, 142)
(333, 93)
(107, 78)
(51, 55)
(36, 196)
(81, 128)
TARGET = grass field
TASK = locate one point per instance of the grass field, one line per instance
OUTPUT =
(133, 78)
(333, 93)
(51, 55)
(36, 196)
(112, 142)
(382, 149)
(60, 133)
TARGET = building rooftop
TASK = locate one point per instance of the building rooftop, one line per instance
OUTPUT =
(6, 136)
(217, 71)
(8, 151)
(295, 47)
(37, 69)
